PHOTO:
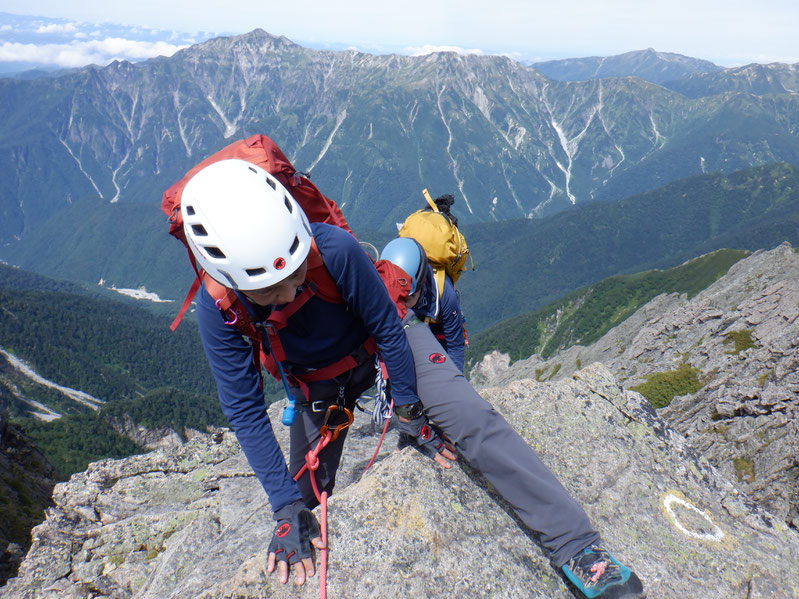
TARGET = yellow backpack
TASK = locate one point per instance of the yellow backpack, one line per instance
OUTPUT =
(445, 246)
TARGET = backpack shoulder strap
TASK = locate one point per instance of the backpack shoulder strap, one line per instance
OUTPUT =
(320, 278)
(430, 201)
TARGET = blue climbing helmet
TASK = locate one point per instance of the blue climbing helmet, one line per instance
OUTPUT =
(409, 255)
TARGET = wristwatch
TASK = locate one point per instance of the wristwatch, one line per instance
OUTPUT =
(410, 411)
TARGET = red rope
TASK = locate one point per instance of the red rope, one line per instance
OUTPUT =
(379, 443)
(323, 552)
(311, 465)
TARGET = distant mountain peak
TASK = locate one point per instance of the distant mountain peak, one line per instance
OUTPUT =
(257, 38)
(259, 34)
(649, 64)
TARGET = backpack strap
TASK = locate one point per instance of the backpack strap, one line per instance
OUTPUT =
(190, 295)
(320, 279)
(430, 201)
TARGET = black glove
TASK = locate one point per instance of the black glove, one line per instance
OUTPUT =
(422, 435)
(296, 526)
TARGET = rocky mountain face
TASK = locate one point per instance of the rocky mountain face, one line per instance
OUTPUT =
(193, 521)
(372, 130)
(650, 65)
(730, 356)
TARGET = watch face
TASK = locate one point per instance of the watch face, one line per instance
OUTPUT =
(411, 411)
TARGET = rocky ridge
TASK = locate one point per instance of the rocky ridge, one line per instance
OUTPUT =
(193, 521)
(739, 341)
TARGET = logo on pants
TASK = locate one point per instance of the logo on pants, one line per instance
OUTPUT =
(437, 358)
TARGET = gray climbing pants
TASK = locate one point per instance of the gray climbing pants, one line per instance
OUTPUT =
(485, 439)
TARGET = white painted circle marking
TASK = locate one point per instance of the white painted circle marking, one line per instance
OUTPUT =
(670, 499)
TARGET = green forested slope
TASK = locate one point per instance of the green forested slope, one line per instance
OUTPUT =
(108, 349)
(523, 265)
(583, 316)
(121, 354)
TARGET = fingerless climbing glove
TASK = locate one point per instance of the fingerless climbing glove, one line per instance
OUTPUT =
(421, 434)
(291, 539)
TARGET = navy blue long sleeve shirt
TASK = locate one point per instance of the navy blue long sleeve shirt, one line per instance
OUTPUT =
(446, 311)
(318, 334)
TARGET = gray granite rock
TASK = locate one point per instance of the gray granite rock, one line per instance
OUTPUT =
(193, 521)
(745, 418)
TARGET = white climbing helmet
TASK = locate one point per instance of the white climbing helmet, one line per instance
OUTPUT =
(243, 227)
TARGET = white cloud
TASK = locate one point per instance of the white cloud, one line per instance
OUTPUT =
(118, 46)
(57, 28)
(429, 49)
(78, 54)
(5, 27)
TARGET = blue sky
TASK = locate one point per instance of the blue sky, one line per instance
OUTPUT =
(729, 32)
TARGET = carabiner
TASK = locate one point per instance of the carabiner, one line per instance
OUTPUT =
(235, 314)
(334, 431)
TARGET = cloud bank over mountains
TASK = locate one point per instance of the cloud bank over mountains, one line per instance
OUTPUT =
(28, 42)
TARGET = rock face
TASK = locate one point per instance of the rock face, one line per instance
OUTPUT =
(26, 483)
(194, 522)
(150, 438)
(741, 335)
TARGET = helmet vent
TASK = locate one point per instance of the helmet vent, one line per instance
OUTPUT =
(199, 230)
(272, 183)
(254, 272)
(215, 252)
(294, 245)
(288, 204)
(230, 279)
(190, 210)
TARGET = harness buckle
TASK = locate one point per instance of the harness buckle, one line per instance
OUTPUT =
(335, 430)
(318, 406)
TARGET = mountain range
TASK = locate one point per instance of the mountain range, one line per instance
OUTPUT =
(649, 64)
(374, 130)
(561, 180)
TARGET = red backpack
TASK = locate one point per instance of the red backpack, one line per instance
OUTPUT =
(262, 151)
